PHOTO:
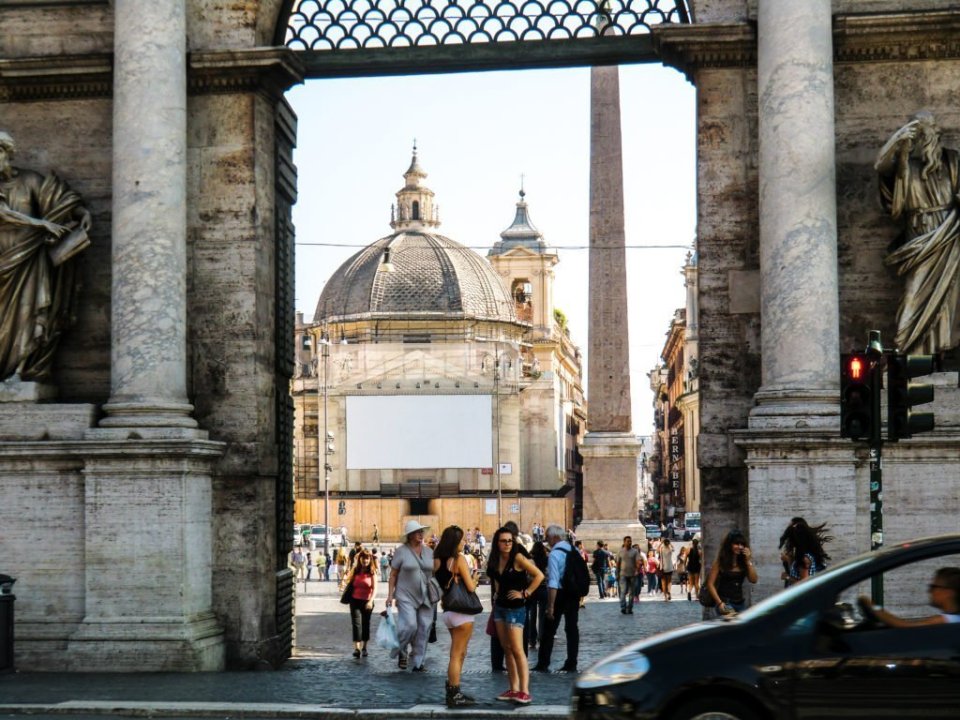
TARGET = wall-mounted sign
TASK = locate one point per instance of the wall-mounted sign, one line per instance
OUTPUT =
(506, 469)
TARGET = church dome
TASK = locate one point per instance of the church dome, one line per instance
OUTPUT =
(415, 273)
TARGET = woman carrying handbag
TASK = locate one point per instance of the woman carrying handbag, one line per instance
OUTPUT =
(359, 589)
(460, 603)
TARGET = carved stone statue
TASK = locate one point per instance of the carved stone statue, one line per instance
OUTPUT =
(919, 181)
(43, 225)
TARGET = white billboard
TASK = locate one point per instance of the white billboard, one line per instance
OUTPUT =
(394, 432)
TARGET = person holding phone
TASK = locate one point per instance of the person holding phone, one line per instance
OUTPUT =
(733, 565)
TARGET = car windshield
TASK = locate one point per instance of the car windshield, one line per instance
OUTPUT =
(318, 529)
(780, 599)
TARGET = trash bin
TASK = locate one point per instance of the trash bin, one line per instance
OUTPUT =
(6, 622)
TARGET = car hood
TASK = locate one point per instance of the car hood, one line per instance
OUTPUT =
(680, 635)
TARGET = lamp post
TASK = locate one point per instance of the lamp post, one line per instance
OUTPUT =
(325, 444)
(496, 414)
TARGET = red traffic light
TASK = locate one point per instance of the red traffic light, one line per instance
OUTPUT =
(856, 368)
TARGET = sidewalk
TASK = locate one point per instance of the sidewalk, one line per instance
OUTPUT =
(323, 679)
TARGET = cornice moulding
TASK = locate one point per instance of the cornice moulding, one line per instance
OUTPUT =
(856, 38)
(56, 77)
(67, 77)
(272, 70)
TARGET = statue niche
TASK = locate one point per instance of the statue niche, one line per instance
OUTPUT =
(43, 225)
(918, 186)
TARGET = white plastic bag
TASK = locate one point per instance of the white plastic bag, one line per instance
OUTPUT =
(387, 632)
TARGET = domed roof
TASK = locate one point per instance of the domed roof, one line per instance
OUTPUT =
(414, 273)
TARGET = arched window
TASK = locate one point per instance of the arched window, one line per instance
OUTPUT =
(416, 210)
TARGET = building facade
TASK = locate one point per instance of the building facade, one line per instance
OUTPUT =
(437, 384)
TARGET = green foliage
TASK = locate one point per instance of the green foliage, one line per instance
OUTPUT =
(560, 317)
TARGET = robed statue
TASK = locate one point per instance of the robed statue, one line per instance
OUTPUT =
(919, 182)
(43, 225)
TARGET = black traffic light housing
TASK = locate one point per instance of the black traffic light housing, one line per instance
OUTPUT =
(902, 422)
(859, 397)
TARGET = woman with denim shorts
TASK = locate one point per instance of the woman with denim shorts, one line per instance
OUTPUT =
(514, 578)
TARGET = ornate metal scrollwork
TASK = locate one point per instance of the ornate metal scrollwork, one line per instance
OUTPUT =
(354, 24)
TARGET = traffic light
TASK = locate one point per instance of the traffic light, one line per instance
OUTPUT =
(902, 422)
(859, 416)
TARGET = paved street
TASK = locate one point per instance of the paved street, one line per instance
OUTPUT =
(324, 679)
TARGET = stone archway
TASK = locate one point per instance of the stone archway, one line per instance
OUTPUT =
(167, 453)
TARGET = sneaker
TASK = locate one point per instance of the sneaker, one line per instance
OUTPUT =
(522, 698)
(356, 653)
(402, 661)
(540, 668)
(507, 695)
(568, 668)
(623, 611)
(419, 668)
(363, 652)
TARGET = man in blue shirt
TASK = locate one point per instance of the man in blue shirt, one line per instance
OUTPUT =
(560, 604)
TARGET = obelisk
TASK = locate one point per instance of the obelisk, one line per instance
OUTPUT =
(609, 449)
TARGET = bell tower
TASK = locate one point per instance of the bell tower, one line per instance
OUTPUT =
(414, 209)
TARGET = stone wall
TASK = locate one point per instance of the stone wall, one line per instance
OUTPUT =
(885, 68)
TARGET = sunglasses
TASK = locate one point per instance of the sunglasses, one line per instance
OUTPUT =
(507, 541)
(934, 586)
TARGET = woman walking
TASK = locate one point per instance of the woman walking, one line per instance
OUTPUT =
(802, 550)
(508, 570)
(694, 568)
(666, 568)
(652, 571)
(410, 571)
(362, 579)
(449, 567)
(681, 569)
(732, 566)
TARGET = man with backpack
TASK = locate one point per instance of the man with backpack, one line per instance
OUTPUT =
(568, 580)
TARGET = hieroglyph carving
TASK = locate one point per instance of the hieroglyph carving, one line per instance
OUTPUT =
(43, 225)
(918, 187)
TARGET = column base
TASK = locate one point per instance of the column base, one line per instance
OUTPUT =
(609, 481)
(147, 420)
(148, 644)
(781, 408)
(612, 532)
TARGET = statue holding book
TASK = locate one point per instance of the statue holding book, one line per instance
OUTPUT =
(43, 225)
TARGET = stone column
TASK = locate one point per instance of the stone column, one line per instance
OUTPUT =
(147, 515)
(797, 464)
(609, 449)
(798, 216)
(148, 323)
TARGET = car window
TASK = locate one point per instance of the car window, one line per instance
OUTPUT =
(904, 592)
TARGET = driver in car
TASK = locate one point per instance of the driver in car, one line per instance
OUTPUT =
(944, 596)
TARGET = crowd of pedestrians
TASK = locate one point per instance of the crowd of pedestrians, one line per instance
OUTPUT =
(538, 582)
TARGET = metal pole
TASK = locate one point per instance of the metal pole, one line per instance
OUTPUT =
(496, 392)
(325, 344)
(875, 348)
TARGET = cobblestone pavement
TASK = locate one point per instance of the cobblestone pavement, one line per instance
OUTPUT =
(324, 673)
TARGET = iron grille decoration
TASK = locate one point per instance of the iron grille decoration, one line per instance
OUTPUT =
(321, 25)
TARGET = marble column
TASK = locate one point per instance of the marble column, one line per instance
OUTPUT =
(797, 465)
(798, 216)
(609, 449)
(148, 323)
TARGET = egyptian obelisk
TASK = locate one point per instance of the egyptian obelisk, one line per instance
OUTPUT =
(609, 449)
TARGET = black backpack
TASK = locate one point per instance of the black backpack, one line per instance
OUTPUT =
(576, 577)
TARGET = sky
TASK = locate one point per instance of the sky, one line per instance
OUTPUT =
(478, 136)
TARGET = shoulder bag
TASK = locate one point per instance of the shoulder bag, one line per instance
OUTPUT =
(456, 598)
(347, 594)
